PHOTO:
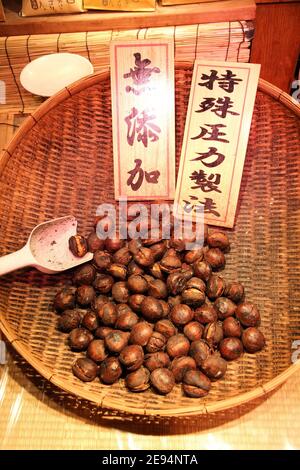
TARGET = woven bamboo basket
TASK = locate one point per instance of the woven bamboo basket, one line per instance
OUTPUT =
(60, 162)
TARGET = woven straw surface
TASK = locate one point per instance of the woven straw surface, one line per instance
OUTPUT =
(63, 165)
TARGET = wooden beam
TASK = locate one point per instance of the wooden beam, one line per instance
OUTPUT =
(230, 10)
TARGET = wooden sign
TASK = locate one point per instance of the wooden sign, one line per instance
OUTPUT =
(142, 87)
(215, 140)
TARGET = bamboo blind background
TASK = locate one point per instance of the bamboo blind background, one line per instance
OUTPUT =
(219, 41)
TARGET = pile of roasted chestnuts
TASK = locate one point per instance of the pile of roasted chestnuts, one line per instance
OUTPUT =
(155, 314)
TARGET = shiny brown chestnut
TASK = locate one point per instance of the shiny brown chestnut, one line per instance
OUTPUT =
(137, 283)
(94, 242)
(110, 370)
(79, 339)
(165, 327)
(85, 274)
(215, 287)
(103, 283)
(202, 269)
(126, 320)
(85, 369)
(132, 357)
(205, 314)
(156, 360)
(162, 380)
(151, 309)
(102, 259)
(215, 257)
(231, 348)
(116, 340)
(69, 320)
(213, 333)
(120, 292)
(65, 299)
(158, 289)
(196, 384)
(78, 245)
(90, 321)
(214, 366)
(156, 342)
(96, 350)
(178, 345)
(217, 239)
(85, 295)
(122, 256)
(253, 340)
(135, 301)
(248, 314)
(234, 291)
(181, 314)
(180, 365)
(118, 271)
(138, 381)
(141, 333)
(199, 351)
(232, 327)
(193, 330)
(224, 307)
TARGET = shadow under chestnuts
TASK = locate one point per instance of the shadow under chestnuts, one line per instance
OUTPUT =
(155, 314)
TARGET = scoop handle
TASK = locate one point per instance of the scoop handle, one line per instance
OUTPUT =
(18, 259)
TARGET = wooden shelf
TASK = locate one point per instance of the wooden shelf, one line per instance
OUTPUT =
(229, 10)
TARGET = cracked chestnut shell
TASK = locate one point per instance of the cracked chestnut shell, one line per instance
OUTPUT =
(176, 283)
(108, 314)
(158, 289)
(156, 342)
(206, 314)
(202, 269)
(215, 287)
(110, 370)
(234, 291)
(65, 299)
(193, 256)
(165, 327)
(126, 320)
(69, 320)
(162, 380)
(224, 307)
(118, 271)
(132, 357)
(137, 283)
(85, 369)
(85, 295)
(103, 283)
(138, 381)
(135, 301)
(122, 256)
(180, 365)
(248, 314)
(102, 259)
(213, 333)
(156, 360)
(199, 351)
(79, 339)
(215, 257)
(196, 384)
(144, 256)
(90, 321)
(78, 245)
(85, 274)
(217, 239)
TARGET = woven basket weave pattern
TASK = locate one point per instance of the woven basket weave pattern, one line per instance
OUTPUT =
(63, 165)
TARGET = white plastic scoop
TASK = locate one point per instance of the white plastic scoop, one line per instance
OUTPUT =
(47, 248)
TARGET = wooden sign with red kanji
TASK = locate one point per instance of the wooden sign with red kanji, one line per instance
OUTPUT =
(215, 140)
(142, 89)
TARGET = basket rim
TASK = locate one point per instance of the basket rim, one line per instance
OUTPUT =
(17, 343)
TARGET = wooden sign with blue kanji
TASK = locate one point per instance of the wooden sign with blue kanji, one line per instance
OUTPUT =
(142, 88)
(215, 140)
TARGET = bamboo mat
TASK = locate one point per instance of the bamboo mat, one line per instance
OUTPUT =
(219, 41)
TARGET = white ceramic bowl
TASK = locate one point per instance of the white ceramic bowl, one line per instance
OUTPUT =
(50, 73)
